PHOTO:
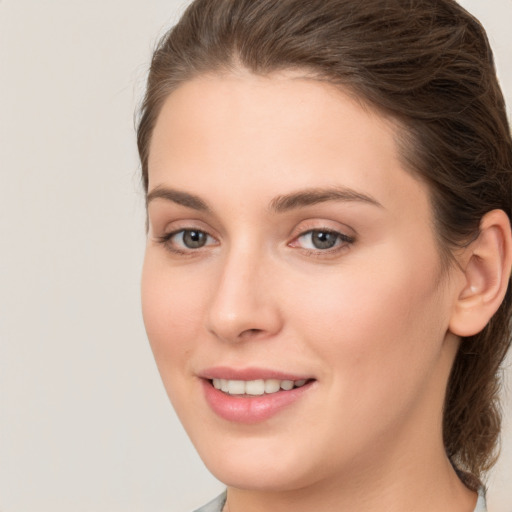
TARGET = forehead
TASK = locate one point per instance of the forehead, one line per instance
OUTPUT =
(287, 103)
(265, 134)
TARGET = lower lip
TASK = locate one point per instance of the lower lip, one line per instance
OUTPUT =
(251, 409)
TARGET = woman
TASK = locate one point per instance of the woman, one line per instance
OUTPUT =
(325, 287)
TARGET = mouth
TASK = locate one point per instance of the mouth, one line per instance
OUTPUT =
(242, 397)
(258, 387)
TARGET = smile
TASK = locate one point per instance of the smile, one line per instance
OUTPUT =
(256, 387)
(252, 400)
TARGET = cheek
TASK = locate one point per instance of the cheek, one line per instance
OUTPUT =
(370, 320)
(171, 312)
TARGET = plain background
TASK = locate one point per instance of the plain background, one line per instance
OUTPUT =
(84, 421)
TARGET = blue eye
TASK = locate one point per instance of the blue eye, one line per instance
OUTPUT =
(322, 239)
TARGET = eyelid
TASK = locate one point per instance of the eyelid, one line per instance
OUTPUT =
(171, 234)
(309, 225)
(165, 239)
(342, 236)
(346, 236)
(167, 226)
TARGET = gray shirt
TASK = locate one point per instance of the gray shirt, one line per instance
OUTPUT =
(217, 504)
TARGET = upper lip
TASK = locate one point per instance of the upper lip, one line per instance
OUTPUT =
(249, 373)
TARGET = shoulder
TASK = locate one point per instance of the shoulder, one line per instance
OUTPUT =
(215, 505)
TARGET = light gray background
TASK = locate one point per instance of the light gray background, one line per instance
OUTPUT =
(84, 421)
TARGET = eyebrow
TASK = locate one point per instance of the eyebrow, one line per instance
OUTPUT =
(312, 196)
(176, 196)
(279, 204)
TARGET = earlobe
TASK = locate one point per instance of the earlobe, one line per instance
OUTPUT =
(486, 269)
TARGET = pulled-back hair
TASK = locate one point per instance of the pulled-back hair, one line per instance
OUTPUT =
(426, 63)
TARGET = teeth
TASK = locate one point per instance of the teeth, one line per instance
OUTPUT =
(272, 385)
(287, 385)
(255, 387)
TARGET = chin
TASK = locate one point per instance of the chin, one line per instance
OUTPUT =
(258, 477)
(256, 464)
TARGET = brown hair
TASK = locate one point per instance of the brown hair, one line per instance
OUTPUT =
(428, 64)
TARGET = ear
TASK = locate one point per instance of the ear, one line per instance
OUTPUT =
(486, 275)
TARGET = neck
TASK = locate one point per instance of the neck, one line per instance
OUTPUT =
(436, 488)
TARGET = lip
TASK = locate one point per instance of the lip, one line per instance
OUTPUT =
(250, 373)
(250, 409)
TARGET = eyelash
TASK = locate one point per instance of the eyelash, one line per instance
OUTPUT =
(341, 242)
(166, 241)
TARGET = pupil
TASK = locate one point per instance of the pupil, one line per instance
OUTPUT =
(194, 239)
(324, 239)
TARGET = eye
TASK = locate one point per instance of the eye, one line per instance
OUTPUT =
(321, 240)
(187, 240)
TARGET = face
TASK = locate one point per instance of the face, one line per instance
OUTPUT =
(291, 261)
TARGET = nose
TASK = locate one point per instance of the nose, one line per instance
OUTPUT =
(243, 305)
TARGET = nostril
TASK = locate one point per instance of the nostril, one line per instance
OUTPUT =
(232, 318)
(250, 333)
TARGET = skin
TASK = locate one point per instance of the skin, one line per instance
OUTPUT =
(368, 319)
